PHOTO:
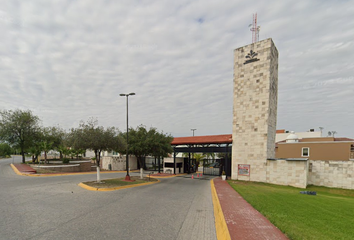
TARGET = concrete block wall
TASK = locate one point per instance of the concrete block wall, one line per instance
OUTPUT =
(287, 172)
(85, 166)
(336, 174)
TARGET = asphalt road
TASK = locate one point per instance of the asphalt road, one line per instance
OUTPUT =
(57, 208)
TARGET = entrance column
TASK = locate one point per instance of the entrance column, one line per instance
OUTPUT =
(254, 110)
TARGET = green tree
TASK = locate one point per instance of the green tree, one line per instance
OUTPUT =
(159, 143)
(46, 146)
(35, 150)
(198, 158)
(96, 138)
(19, 128)
(46, 139)
(144, 142)
(5, 150)
(55, 137)
(138, 144)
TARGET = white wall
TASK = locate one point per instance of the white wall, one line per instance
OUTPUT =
(337, 174)
(288, 172)
(282, 136)
(118, 163)
(171, 160)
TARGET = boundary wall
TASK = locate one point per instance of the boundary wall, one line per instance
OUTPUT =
(287, 172)
(302, 172)
(336, 174)
(118, 163)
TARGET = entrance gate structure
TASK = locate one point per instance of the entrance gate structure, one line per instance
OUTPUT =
(204, 144)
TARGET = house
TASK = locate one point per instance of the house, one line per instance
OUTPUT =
(315, 148)
(282, 134)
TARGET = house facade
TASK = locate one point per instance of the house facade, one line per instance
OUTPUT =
(319, 148)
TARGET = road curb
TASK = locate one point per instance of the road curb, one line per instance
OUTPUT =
(83, 185)
(222, 232)
(59, 174)
(17, 171)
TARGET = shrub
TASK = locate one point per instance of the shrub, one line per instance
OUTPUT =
(5, 149)
(66, 160)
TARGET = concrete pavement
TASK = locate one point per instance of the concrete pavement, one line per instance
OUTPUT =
(177, 208)
(56, 208)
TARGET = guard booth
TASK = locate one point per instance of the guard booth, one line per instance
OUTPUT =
(204, 144)
(171, 164)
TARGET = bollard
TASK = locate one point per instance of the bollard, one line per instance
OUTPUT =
(141, 173)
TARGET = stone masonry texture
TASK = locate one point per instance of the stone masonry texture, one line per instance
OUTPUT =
(254, 108)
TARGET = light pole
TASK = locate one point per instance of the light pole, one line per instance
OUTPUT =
(193, 129)
(127, 178)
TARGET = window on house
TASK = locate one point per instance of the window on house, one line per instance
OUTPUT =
(305, 152)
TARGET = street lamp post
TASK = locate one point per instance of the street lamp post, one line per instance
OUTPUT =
(127, 178)
(193, 129)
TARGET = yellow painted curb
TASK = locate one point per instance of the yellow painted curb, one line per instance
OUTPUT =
(61, 174)
(222, 232)
(83, 185)
(16, 170)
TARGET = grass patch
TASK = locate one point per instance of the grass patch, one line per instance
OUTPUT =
(117, 182)
(328, 215)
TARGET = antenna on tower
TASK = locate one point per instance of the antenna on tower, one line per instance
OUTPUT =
(255, 29)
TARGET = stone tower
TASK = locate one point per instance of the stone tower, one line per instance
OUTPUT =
(254, 109)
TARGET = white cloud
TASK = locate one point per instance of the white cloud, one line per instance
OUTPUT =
(70, 60)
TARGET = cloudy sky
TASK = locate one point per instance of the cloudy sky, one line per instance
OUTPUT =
(69, 60)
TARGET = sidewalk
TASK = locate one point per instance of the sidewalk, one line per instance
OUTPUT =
(243, 221)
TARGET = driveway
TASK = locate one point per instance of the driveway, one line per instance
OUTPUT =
(56, 208)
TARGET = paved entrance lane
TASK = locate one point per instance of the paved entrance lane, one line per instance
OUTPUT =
(56, 208)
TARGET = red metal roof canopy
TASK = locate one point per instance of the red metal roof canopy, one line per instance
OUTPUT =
(212, 139)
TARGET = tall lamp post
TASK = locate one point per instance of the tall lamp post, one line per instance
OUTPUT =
(193, 129)
(127, 157)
